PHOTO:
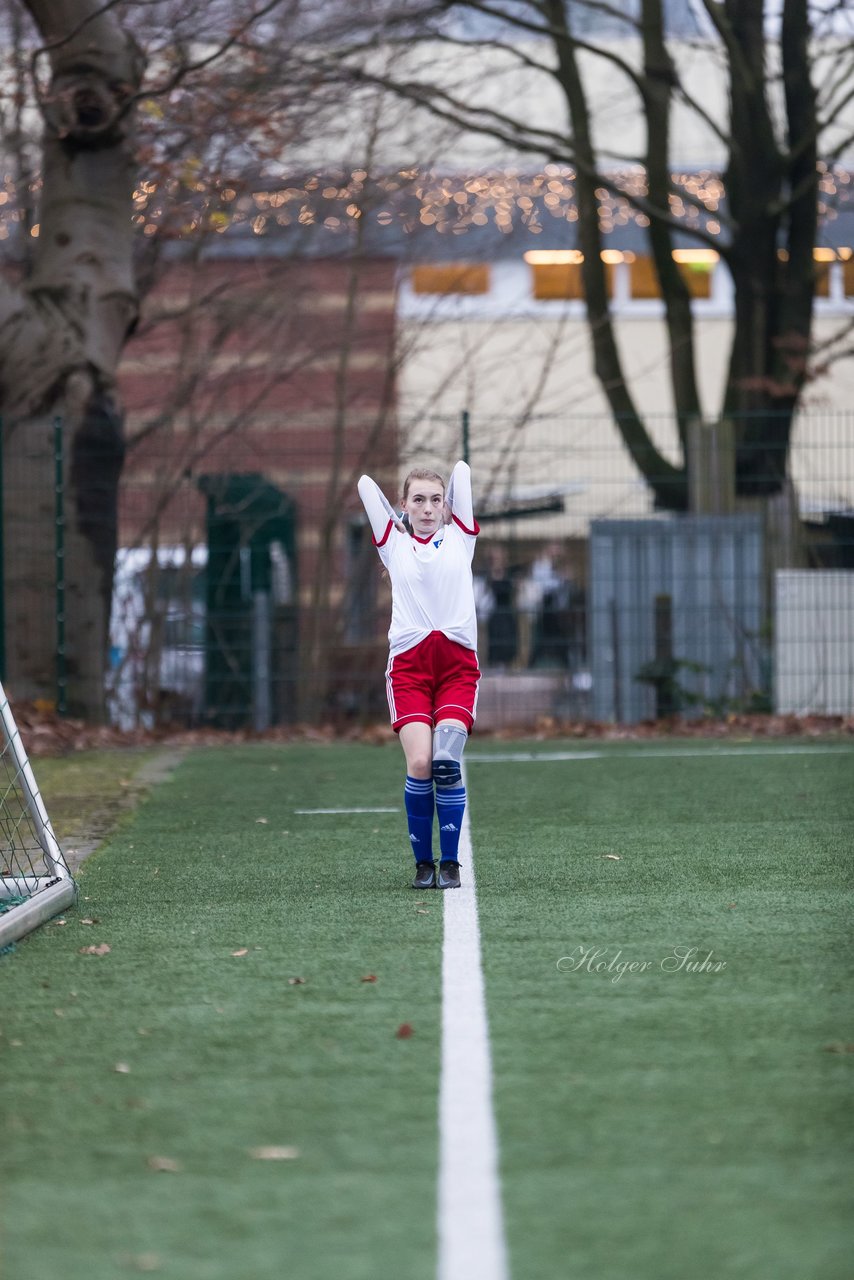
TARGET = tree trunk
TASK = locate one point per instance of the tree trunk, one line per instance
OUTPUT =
(659, 80)
(773, 200)
(61, 337)
(765, 441)
(668, 483)
(711, 467)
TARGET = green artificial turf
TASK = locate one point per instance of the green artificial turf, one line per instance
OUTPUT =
(224, 1053)
(663, 1122)
(662, 1125)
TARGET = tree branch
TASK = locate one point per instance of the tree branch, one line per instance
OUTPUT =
(666, 481)
(559, 148)
(185, 69)
(95, 68)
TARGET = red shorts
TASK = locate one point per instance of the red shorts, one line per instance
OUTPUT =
(434, 680)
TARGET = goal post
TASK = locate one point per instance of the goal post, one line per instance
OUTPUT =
(35, 882)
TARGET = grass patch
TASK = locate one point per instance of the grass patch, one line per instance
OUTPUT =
(668, 1122)
(660, 1125)
(87, 793)
(225, 1053)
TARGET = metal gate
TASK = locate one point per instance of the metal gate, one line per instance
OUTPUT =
(677, 616)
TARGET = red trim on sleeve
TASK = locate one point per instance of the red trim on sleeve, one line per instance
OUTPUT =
(384, 539)
(471, 532)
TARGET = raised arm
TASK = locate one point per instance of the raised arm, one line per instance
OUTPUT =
(459, 500)
(381, 513)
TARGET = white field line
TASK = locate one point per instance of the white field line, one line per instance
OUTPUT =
(652, 753)
(470, 1218)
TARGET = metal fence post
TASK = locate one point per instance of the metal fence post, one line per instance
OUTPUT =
(59, 489)
(2, 566)
(262, 638)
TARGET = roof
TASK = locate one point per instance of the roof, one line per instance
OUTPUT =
(431, 216)
(597, 22)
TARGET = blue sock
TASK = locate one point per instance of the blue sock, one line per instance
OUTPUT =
(418, 799)
(450, 807)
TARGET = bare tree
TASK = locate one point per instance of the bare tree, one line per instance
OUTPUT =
(61, 333)
(140, 153)
(135, 161)
(785, 113)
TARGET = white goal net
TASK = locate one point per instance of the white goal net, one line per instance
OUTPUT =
(35, 882)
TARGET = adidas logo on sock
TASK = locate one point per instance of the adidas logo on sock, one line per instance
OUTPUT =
(449, 826)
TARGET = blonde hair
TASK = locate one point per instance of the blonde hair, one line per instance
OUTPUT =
(421, 473)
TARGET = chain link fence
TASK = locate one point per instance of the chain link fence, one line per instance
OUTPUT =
(247, 593)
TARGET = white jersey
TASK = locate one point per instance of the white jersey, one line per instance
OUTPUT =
(431, 579)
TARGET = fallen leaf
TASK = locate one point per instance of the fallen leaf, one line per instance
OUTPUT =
(369, 977)
(91, 920)
(839, 1047)
(262, 820)
(274, 1153)
(59, 922)
(163, 1164)
(615, 857)
(295, 982)
(422, 911)
(404, 1031)
(102, 949)
(242, 951)
(123, 1068)
(145, 1262)
(60, 1013)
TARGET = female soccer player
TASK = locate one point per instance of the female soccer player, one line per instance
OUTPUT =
(432, 673)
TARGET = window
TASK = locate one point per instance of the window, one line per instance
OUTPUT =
(834, 272)
(823, 258)
(556, 273)
(826, 270)
(557, 279)
(643, 282)
(697, 266)
(847, 257)
(451, 277)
